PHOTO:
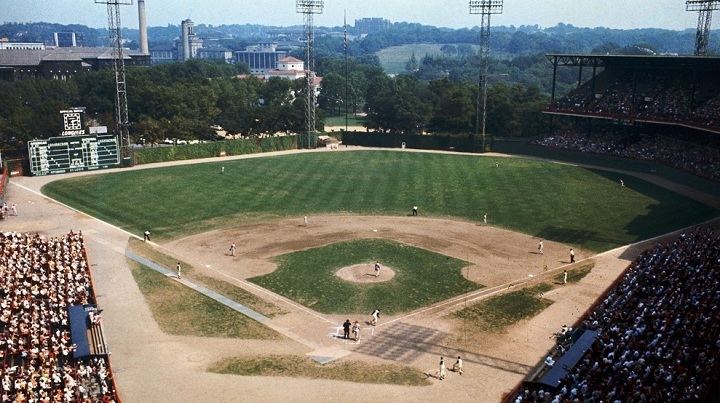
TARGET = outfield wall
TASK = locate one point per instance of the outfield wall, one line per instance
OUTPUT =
(428, 142)
(214, 149)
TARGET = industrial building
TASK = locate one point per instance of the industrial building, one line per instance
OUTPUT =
(61, 63)
(5, 45)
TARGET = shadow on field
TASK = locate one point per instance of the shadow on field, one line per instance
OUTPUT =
(670, 212)
(402, 342)
(573, 236)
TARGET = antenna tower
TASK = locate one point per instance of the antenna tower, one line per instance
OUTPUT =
(484, 8)
(122, 121)
(309, 8)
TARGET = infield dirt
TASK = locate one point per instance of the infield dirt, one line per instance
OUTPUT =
(497, 255)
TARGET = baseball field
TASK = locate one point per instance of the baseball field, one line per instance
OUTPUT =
(450, 283)
(557, 202)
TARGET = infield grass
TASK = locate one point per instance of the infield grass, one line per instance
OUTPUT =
(497, 313)
(302, 367)
(224, 288)
(552, 201)
(421, 278)
(181, 311)
(575, 274)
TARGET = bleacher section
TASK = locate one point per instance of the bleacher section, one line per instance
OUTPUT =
(683, 91)
(657, 333)
(51, 343)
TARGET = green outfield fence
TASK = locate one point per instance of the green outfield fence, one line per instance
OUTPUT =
(425, 142)
(214, 149)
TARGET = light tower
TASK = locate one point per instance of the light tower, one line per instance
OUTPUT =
(704, 8)
(484, 8)
(121, 107)
(309, 8)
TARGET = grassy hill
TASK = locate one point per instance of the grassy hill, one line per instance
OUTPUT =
(393, 59)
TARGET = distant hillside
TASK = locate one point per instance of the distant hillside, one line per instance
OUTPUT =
(523, 40)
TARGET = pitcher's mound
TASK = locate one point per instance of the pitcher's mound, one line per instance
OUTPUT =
(365, 273)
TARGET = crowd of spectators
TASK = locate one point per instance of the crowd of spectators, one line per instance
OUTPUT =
(701, 160)
(655, 96)
(659, 331)
(39, 280)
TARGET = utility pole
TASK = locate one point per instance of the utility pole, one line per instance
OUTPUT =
(484, 8)
(122, 121)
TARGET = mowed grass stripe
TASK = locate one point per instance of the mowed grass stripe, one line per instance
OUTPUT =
(556, 202)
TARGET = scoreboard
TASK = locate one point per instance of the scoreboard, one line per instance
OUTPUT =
(73, 154)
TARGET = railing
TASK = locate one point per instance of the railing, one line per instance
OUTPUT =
(638, 117)
(107, 357)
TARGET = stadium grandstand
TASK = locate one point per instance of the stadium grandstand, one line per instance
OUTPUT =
(658, 108)
(648, 338)
(51, 342)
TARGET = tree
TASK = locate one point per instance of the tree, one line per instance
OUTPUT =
(449, 50)
(412, 65)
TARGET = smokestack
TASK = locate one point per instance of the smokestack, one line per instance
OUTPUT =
(186, 27)
(143, 28)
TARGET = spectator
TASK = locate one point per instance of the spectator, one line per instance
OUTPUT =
(658, 331)
(39, 280)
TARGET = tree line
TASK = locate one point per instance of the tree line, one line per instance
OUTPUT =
(188, 100)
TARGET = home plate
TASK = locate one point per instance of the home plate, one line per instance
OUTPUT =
(327, 355)
(374, 230)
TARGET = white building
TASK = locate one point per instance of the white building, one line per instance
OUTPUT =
(4, 45)
(289, 68)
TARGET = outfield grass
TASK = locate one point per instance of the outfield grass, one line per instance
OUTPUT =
(181, 311)
(497, 313)
(552, 201)
(301, 367)
(608, 161)
(421, 278)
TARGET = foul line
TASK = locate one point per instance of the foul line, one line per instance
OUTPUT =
(76, 210)
(488, 292)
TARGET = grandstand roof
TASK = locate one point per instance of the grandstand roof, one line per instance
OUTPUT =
(662, 61)
(35, 57)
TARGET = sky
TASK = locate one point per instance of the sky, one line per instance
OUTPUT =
(669, 14)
